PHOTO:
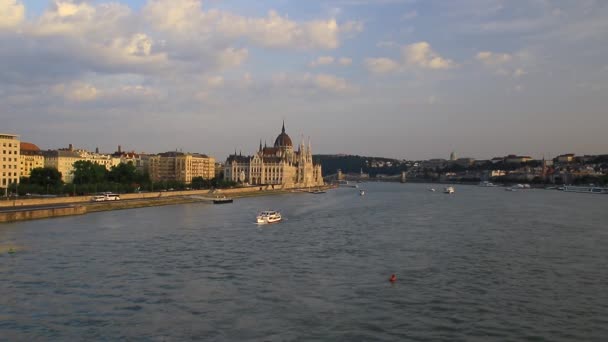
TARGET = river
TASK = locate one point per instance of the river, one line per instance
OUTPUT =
(482, 264)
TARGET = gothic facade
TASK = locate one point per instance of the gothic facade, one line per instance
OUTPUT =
(279, 165)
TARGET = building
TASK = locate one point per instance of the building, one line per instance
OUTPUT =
(30, 158)
(279, 165)
(63, 160)
(513, 159)
(140, 161)
(10, 160)
(181, 167)
(565, 158)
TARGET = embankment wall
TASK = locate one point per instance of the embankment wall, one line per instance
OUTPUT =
(34, 214)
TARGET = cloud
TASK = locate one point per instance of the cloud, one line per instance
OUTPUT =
(503, 64)
(301, 82)
(12, 13)
(215, 81)
(76, 91)
(323, 60)
(345, 61)
(187, 18)
(421, 55)
(418, 55)
(328, 60)
(382, 65)
(231, 57)
(333, 83)
(492, 59)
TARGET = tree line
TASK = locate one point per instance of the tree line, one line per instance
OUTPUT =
(90, 178)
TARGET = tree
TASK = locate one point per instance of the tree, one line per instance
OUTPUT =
(44, 176)
(86, 172)
(124, 174)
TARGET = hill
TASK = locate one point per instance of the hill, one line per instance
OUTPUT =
(356, 164)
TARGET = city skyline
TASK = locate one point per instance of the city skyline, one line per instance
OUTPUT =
(402, 79)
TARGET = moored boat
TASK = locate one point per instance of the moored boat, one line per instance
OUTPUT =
(449, 190)
(586, 189)
(222, 200)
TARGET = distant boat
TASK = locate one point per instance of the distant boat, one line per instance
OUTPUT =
(317, 192)
(432, 189)
(222, 200)
(361, 192)
(449, 190)
(586, 189)
(487, 184)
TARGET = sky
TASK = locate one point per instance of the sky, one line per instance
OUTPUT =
(406, 79)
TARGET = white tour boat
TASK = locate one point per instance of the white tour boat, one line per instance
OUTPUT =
(449, 190)
(268, 216)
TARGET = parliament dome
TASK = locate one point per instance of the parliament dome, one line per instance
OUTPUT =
(283, 140)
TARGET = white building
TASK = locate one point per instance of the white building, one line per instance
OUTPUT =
(279, 165)
(9, 164)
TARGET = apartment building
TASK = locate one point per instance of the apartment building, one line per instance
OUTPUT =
(30, 158)
(182, 167)
(9, 164)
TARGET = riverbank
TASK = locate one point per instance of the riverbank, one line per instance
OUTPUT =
(30, 209)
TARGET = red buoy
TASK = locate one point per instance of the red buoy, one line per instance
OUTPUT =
(393, 278)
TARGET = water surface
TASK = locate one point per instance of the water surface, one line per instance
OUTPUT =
(482, 264)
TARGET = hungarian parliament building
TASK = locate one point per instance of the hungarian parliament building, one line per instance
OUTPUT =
(278, 166)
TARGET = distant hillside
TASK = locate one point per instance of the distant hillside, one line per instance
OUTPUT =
(354, 164)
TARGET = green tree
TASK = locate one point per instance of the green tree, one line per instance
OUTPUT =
(44, 176)
(86, 172)
(124, 174)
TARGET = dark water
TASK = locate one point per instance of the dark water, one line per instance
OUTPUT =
(481, 265)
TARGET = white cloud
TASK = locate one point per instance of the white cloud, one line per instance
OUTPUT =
(345, 61)
(381, 65)
(504, 64)
(417, 55)
(231, 57)
(492, 59)
(12, 13)
(187, 18)
(333, 83)
(421, 55)
(328, 60)
(325, 82)
(76, 91)
(215, 81)
(323, 60)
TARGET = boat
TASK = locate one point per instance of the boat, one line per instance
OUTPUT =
(346, 184)
(268, 216)
(361, 193)
(449, 190)
(222, 200)
(586, 189)
(510, 189)
(487, 184)
(432, 189)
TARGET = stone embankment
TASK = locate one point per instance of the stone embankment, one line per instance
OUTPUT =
(38, 208)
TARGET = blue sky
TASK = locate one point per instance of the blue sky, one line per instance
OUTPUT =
(398, 78)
